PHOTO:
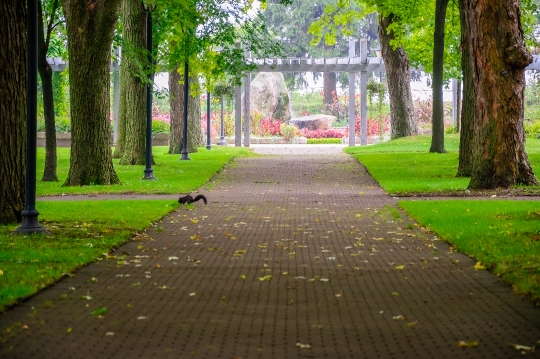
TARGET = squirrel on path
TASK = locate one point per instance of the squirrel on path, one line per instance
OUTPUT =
(189, 199)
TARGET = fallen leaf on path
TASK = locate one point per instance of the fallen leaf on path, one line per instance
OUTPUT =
(266, 277)
(395, 293)
(109, 334)
(521, 347)
(399, 317)
(100, 311)
(400, 267)
(303, 346)
(173, 258)
(464, 344)
(479, 266)
(191, 294)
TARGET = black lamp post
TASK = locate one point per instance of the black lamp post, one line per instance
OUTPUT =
(149, 6)
(184, 151)
(30, 222)
(222, 141)
(208, 141)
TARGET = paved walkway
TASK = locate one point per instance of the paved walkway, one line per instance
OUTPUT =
(296, 255)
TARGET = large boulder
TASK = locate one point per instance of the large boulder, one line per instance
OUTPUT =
(314, 122)
(270, 96)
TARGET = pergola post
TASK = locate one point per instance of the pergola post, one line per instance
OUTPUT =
(238, 113)
(363, 92)
(352, 115)
(247, 103)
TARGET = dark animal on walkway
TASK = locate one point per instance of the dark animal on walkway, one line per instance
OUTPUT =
(188, 199)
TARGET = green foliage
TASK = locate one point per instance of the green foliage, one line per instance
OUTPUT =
(160, 127)
(532, 129)
(503, 236)
(377, 89)
(323, 141)
(289, 132)
(81, 232)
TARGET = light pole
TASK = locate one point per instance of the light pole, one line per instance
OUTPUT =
(208, 141)
(149, 6)
(184, 151)
(30, 222)
(222, 141)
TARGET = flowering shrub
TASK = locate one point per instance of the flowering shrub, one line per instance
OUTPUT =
(373, 126)
(267, 127)
(215, 121)
(332, 133)
(160, 115)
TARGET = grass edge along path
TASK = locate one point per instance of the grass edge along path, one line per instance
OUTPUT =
(173, 176)
(404, 167)
(503, 236)
(81, 232)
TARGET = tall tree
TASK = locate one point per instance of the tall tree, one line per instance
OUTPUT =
(132, 110)
(398, 74)
(12, 109)
(45, 29)
(496, 38)
(176, 92)
(437, 137)
(90, 27)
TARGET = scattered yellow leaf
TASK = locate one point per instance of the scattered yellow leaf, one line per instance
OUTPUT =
(243, 276)
(69, 330)
(479, 266)
(521, 347)
(400, 267)
(266, 277)
(195, 221)
(358, 215)
(464, 344)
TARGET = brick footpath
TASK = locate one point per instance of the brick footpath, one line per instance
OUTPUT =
(296, 255)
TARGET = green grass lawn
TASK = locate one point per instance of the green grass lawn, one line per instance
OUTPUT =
(174, 176)
(81, 232)
(503, 235)
(405, 166)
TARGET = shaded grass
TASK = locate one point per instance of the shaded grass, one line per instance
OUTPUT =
(502, 235)
(405, 166)
(174, 176)
(81, 232)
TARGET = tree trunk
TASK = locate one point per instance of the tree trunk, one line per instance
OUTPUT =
(176, 100)
(12, 109)
(194, 118)
(437, 136)
(458, 105)
(329, 87)
(399, 83)
(46, 73)
(498, 68)
(90, 27)
(467, 110)
(176, 91)
(133, 89)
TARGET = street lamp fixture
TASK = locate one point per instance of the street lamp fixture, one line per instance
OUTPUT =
(149, 6)
(30, 223)
(184, 153)
(208, 119)
(222, 141)
(378, 52)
